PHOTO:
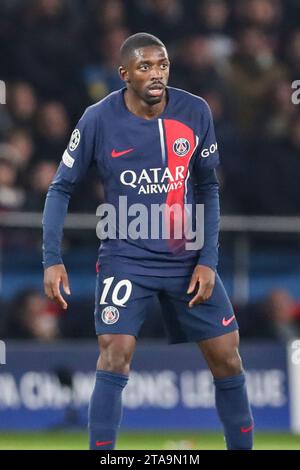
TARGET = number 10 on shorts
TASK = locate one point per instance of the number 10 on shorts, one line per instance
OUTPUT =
(118, 300)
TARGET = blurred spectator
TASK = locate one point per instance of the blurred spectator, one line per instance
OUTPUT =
(6, 122)
(265, 14)
(194, 67)
(22, 143)
(276, 317)
(103, 18)
(275, 169)
(22, 104)
(41, 178)
(232, 171)
(49, 51)
(32, 316)
(253, 71)
(293, 55)
(283, 311)
(53, 129)
(167, 19)
(11, 196)
(106, 16)
(212, 18)
(278, 112)
(102, 77)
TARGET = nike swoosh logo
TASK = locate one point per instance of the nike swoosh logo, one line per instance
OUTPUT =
(115, 154)
(247, 429)
(99, 443)
(227, 322)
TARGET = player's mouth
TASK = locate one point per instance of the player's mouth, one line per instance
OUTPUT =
(156, 90)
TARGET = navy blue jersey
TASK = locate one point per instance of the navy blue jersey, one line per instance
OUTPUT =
(169, 159)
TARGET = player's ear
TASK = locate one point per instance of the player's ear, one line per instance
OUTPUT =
(124, 74)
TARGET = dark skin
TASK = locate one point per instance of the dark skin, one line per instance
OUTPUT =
(146, 68)
(146, 74)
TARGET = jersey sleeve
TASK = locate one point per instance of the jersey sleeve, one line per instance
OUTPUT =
(77, 158)
(80, 152)
(208, 195)
(207, 159)
(208, 154)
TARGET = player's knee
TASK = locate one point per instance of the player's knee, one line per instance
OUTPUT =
(116, 353)
(227, 365)
(114, 361)
(231, 365)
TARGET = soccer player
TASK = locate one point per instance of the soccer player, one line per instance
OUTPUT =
(152, 144)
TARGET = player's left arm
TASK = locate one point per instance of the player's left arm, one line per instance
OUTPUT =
(77, 158)
(203, 278)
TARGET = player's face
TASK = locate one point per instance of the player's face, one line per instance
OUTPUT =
(147, 73)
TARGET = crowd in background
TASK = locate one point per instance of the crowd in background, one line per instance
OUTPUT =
(59, 56)
(32, 316)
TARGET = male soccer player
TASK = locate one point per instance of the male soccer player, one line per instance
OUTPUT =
(152, 144)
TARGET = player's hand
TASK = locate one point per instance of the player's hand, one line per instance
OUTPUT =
(54, 276)
(205, 278)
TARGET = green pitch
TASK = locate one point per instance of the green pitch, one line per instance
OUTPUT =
(62, 440)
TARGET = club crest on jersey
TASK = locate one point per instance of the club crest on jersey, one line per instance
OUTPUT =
(181, 147)
(110, 315)
(75, 139)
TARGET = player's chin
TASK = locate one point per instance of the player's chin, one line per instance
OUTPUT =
(154, 98)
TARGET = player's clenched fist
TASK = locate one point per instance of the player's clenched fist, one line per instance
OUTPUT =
(205, 278)
(54, 276)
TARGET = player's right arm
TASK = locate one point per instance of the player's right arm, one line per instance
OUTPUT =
(76, 160)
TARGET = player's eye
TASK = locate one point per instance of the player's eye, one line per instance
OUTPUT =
(164, 66)
(144, 67)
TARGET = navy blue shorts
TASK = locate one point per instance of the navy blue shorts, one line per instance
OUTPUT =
(122, 302)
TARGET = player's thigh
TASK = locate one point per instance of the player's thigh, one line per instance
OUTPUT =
(209, 319)
(121, 303)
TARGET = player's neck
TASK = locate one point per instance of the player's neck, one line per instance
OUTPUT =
(141, 109)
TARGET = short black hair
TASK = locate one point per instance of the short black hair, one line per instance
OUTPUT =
(136, 41)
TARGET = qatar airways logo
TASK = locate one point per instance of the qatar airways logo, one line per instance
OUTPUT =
(182, 226)
(154, 180)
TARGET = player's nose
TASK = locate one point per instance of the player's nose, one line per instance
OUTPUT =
(157, 74)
